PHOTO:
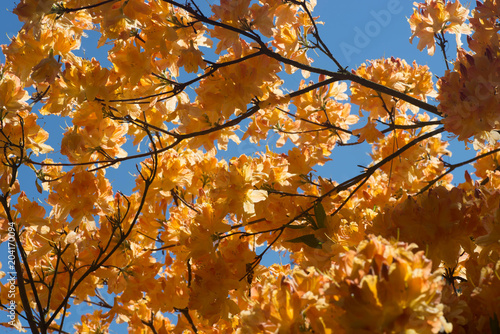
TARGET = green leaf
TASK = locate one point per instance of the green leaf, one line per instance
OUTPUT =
(319, 212)
(296, 227)
(308, 239)
(38, 187)
(311, 221)
(494, 326)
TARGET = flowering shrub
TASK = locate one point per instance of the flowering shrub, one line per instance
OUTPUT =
(399, 247)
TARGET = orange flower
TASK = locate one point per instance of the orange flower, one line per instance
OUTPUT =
(46, 70)
(369, 132)
(436, 17)
(13, 97)
(469, 97)
(413, 80)
(484, 23)
(191, 58)
(419, 164)
(384, 286)
(321, 120)
(425, 219)
(80, 194)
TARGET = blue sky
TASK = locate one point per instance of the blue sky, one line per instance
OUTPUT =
(354, 31)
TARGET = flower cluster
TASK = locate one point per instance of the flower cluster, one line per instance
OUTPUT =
(468, 95)
(437, 17)
(380, 286)
(414, 80)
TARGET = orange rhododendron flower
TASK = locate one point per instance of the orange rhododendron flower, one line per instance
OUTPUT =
(13, 97)
(384, 286)
(469, 96)
(414, 80)
(436, 17)
(46, 70)
(425, 219)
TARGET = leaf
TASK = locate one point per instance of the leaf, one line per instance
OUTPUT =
(494, 326)
(296, 227)
(308, 239)
(319, 212)
(38, 187)
(311, 221)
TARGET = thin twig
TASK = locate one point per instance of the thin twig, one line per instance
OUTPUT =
(452, 167)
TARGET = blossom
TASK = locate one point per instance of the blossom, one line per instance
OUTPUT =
(386, 286)
(417, 165)
(380, 286)
(369, 132)
(13, 97)
(469, 96)
(321, 121)
(484, 24)
(437, 17)
(46, 70)
(413, 80)
(425, 219)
